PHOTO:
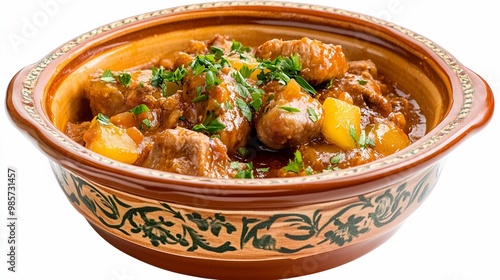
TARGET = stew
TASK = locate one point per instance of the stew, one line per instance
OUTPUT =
(221, 109)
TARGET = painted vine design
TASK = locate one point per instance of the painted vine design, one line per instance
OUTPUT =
(163, 225)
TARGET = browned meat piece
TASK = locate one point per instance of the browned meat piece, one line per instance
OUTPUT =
(358, 67)
(76, 131)
(192, 88)
(196, 47)
(361, 87)
(170, 111)
(291, 118)
(188, 152)
(369, 89)
(320, 62)
(203, 47)
(111, 98)
(220, 103)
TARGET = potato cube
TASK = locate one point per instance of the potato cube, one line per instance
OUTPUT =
(339, 118)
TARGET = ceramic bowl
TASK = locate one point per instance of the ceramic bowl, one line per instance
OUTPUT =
(261, 228)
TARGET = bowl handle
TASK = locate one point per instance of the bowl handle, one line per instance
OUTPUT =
(483, 104)
(19, 101)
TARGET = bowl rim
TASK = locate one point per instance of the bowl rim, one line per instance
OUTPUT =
(471, 109)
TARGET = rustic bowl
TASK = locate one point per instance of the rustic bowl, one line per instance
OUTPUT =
(263, 228)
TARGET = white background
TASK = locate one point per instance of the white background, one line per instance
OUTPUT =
(452, 236)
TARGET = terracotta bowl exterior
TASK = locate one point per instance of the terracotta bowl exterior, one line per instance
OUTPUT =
(265, 228)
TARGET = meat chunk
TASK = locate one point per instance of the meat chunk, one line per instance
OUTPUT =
(76, 131)
(113, 97)
(196, 47)
(219, 103)
(320, 62)
(291, 118)
(223, 101)
(188, 152)
(361, 87)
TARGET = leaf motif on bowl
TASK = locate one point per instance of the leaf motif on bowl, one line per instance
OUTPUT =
(165, 225)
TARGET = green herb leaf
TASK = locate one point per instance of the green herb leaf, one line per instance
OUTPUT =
(245, 71)
(212, 79)
(243, 173)
(362, 82)
(352, 132)
(102, 119)
(362, 141)
(282, 70)
(336, 158)
(242, 90)
(139, 109)
(229, 106)
(218, 52)
(158, 75)
(256, 102)
(125, 78)
(242, 151)
(199, 98)
(145, 123)
(176, 76)
(107, 76)
(245, 110)
(289, 109)
(237, 47)
(212, 127)
(312, 114)
(296, 165)
(305, 85)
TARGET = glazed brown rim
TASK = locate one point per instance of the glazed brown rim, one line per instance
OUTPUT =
(472, 108)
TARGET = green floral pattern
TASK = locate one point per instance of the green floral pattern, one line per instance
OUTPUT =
(167, 226)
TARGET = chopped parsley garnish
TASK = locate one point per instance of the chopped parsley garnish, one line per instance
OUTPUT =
(362, 141)
(123, 77)
(242, 151)
(245, 110)
(313, 116)
(247, 91)
(102, 119)
(336, 158)
(139, 109)
(107, 76)
(237, 47)
(200, 98)
(283, 70)
(242, 173)
(209, 64)
(160, 77)
(289, 109)
(146, 123)
(262, 169)
(211, 125)
(362, 82)
(296, 165)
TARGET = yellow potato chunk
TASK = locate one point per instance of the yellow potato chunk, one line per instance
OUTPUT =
(339, 118)
(388, 138)
(111, 141)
